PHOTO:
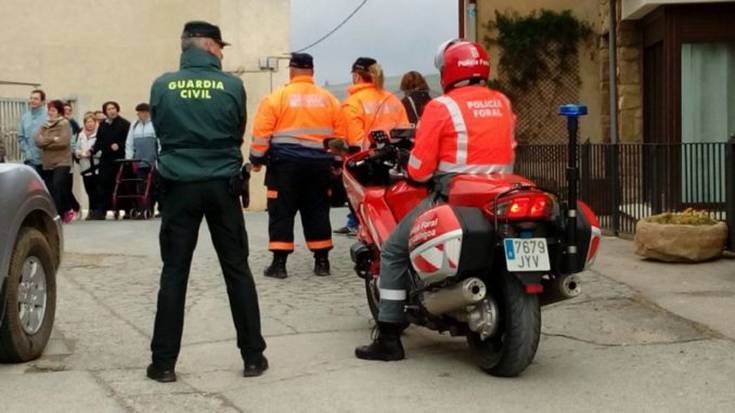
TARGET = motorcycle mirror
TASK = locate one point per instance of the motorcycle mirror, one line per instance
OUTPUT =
(403, 133)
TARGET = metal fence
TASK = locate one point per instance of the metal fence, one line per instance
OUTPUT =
(626, 182)
(10, 113)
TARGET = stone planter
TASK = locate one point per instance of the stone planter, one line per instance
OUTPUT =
(679, 243)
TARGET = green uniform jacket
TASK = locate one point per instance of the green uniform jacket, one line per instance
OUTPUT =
(199, 116)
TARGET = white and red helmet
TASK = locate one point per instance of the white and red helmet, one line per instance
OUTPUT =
(460, 60)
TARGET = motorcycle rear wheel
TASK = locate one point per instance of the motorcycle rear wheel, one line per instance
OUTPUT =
(512, 349)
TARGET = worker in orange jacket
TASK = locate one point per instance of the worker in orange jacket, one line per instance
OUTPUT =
(288, 137)
(469, 130)
(369, 108)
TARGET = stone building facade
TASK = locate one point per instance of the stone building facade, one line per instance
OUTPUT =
(650, 34)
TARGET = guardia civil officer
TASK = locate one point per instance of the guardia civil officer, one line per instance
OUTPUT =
(288, 136)
(199, 115)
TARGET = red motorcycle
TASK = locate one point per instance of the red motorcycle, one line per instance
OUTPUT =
(484, 259)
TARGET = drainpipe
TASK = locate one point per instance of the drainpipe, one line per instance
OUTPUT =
(613, 82)
(461, 17)
(471, 33)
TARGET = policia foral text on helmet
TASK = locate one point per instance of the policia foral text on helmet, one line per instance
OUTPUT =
(199, 114)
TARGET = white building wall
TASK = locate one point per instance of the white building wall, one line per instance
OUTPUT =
(94, 51)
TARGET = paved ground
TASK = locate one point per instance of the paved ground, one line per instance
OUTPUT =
(619, 347)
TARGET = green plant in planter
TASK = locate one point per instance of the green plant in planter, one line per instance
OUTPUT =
(527, 41)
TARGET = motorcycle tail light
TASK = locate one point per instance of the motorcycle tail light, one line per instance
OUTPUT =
(524, 206)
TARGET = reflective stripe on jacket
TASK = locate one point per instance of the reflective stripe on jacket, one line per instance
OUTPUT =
(368, 109)
(470, 130)
(298, 116)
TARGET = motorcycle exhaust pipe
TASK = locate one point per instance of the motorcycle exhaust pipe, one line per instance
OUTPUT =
(562, 288)
(468, 292)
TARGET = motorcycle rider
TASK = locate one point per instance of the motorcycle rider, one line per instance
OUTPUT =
(467, 130)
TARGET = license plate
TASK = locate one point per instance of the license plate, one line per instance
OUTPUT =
(526, 254)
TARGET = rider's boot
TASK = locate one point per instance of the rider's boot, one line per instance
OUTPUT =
(277, 269)
(386, 346)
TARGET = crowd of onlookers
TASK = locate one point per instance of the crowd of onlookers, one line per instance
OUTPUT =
(52, 142)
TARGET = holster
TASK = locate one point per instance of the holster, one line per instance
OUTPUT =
(245, 184)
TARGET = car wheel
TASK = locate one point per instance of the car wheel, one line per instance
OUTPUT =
(30, 299)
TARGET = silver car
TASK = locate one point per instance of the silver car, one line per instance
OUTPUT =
(31, 241)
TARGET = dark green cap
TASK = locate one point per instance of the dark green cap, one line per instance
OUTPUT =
(203, 29)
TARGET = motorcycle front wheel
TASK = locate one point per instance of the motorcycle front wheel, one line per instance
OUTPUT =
(513, 347)
(373, 296)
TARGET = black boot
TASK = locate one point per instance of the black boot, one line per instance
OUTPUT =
(386, 346)
(161, 374)
(277, 269)
(255, 366)
(321, 263)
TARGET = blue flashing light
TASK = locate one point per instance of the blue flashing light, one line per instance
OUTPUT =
(572, 111)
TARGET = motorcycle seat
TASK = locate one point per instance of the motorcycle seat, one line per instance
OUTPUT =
(478, 190)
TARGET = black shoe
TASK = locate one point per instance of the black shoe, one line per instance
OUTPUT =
(342, 231)
(161, 375)
(255, 368)
(386, 346)
(321, 264)
(96, 216)
(277, 269)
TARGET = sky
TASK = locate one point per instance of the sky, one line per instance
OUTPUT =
(401, 35)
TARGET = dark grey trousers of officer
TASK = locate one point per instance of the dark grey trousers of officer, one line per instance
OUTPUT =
(394, 265)
(185, 203)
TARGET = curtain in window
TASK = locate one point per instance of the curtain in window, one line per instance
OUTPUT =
(707, 116)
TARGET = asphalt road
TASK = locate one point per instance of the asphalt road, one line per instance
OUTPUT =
(609, 350)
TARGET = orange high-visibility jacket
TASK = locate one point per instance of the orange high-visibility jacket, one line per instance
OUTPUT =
(469, 130)
(299, 113)
(368, 109)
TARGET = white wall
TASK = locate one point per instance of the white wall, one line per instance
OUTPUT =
(95, 51)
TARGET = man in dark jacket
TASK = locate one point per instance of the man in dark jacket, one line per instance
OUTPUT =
(111, 136)
(199, 116)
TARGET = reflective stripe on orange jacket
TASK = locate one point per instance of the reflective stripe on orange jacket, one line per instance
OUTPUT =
(299, 113)
(368, 109)
(469, 130)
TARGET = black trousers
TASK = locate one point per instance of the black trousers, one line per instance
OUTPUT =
(91, 187)
(73, 203)
(186, 204)
(299, 187)
(56, 181)
(106, 184)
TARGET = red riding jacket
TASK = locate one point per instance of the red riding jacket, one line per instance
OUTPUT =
(469, 130)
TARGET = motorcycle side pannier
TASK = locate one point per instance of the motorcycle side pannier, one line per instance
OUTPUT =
(447, 241)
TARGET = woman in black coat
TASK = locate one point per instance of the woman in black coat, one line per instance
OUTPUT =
(416, 92)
